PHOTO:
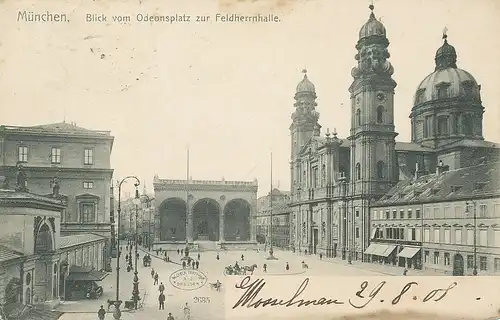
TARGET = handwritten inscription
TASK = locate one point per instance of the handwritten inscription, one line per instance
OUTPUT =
(188, 279)
(361, 298)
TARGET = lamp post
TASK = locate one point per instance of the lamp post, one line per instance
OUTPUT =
(148, 206)
(135, 290)
(117, 313)
(271, 251)
(467, 204)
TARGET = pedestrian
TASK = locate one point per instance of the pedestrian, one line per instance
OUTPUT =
(264, 267)
(152, 273)
(305, 252)
(287, 267)
(178, 251)
(199, 256)
(161, 287)
(156, 278)
(126, 257)
(187, 312)
(194, 264)
(320, 256)
(161, 301)
(217, 256)
(101, 313)
(183, 264)
(405, 272)
(182, 251)
(197, 264)
(170, 317)
(242, 258)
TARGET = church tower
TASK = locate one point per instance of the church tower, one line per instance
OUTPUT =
(304, 125)
(372, 135)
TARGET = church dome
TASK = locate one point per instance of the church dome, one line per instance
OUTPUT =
(305, 85)
(372, 27)
(447, 81)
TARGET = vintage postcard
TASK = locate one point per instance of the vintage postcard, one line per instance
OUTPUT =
(249, 159)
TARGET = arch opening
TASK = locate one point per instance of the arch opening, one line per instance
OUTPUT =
(237, 220)
(206, 220)
(43, 241)
(173, 220)
(13, 291)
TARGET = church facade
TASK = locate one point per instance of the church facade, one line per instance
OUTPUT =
(335, 181)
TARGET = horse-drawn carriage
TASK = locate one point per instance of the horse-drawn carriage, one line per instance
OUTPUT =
(146, 260)
(237, 270)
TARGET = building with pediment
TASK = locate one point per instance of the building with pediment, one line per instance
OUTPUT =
(335, 181)
(75, 160)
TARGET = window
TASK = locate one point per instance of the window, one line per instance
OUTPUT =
(380, 170)
(409, 214)
(401, 213)
(428, 127)
(358, 117)
(375, 215)
(315, 177)
(447, 212)
(427, 214)
(426, 256)
(470, 261)
(380, 114)
(427, 234)
(447, 236)
(496, 209)
(497, 264)
(358, 171)
(467, 124)
(55, 155)
(442, 125)
(497, 238)
(357, 213)
(436, 212)
(387, 215)
(417, 213)
(436, 257)
(88, 212)
(22, 154)
(88, 185)
(446, 259)
(410, 232)
(483, 238)
(458, 236)
(88, 156)
(470, 237)
(418, 236)
(483, 263)
(442, 92)
(357, 232)
(394, 216)
(483, 210)
(436, 235)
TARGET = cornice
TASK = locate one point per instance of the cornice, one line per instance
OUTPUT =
(32, 169)
(223, 188)
(32, 204)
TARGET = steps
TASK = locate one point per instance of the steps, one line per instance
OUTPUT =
(40, 314)
(207, 245)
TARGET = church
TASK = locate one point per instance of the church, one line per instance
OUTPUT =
(335, 181)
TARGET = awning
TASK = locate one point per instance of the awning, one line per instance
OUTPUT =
(87, 276)
(409, 252)
(390, 248)
(374, 232)
(371, 248)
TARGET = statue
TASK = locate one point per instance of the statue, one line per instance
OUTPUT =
(4, 183)
(55, 187)
(21, 179)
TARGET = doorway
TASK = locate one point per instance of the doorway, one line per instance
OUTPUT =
(315, 240)
(458, 265)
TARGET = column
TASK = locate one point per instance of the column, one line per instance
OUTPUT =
(221, 226)
(253, 225)
(157, 228)
(189, 230)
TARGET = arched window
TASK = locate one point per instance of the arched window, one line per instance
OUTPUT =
(380, 114)
(380, 170)
(358, 117)
(358, 171)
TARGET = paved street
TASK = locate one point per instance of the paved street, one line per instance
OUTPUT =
(213, 269)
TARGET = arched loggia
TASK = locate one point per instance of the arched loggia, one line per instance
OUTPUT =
(173, 220)
(206, 220)
(237, 220)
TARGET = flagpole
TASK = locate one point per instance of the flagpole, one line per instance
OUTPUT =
(271, 251)
(187, 196)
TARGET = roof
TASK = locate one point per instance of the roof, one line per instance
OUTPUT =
(9, 196)
(56, 128)
(461, 184)
(92, 275)
(472, 144)
(77, 239)
(7, 254)
(410, 146)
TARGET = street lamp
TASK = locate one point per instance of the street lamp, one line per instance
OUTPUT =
(135, 290)
(467, 204)
(117, 313)
(148, 206)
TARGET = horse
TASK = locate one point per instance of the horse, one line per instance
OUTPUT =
(249, 268)
(229, 270)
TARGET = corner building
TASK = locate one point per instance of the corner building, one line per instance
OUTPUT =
(335, 181)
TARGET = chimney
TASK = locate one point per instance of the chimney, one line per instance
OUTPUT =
(416, 171)
(441, 168)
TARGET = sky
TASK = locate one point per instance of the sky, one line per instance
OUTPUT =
(224, 90)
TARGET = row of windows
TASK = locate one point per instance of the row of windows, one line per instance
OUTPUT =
(461, 124)
(381, 170)
(445, 236)
(380, 115)
(55, 155)
(483, 261)
(459, 211)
